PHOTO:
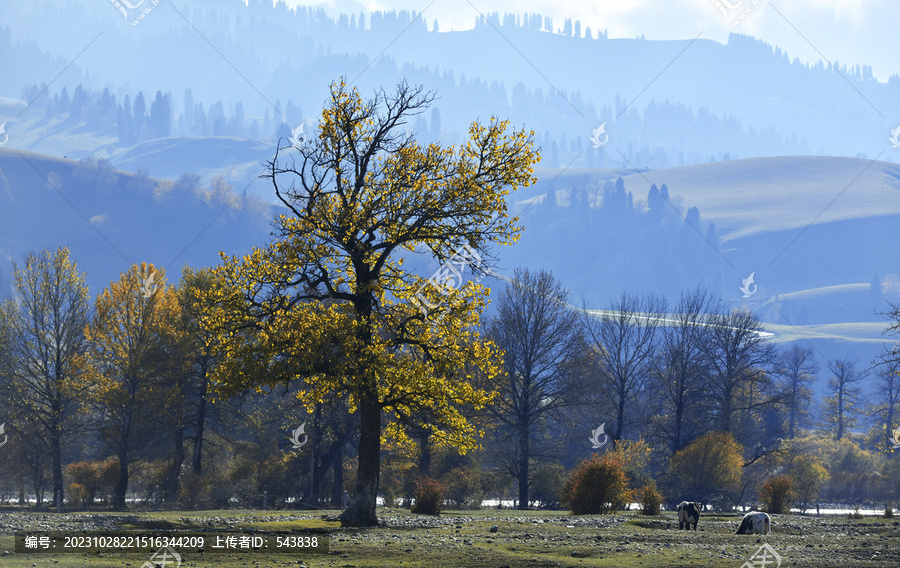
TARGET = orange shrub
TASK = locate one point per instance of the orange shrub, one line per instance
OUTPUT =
(429, 495)
(777, 495)
(597, 485)
(88, 480)
(651, 499)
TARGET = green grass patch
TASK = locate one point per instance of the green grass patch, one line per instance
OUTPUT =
(298, 525)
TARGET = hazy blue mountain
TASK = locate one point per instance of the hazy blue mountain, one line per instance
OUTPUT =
(787, 219)
(207, 157)
(112, 219)
(742, 99)
(595, 229)
(719, 162)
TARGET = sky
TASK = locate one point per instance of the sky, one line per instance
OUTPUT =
(849, 31)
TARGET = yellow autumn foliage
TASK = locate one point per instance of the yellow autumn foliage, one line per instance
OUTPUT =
(328, 301)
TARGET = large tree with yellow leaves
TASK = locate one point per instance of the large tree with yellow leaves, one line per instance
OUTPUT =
(328, 302)
(132, 368)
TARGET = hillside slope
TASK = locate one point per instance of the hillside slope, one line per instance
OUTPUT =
(757, 195)
(111, 219)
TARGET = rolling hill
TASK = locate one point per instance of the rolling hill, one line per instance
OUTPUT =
(818, 291)
(111, 219)
(758, 195)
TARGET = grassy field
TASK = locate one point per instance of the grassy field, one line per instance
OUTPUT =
(519, 539)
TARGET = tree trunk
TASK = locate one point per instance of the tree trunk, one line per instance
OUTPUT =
(791, 427)
(315, 441)
(793, 409)
(337, 487)
(56, 463)
(312, 488)
(679, 417)
(361, 511)
(171, 483)
(676, 444)
(425, 453)
(888, 431)
(620, 419)
(840, 414)
(122, 483)
(200, 424)
(726, 410)
(524, 452)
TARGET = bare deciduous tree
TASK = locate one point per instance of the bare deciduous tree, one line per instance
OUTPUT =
(840, 407)
(887, 402)
(47, 332)
(738, 352)
(624, 338)
(681, 370)
(540, 336)
(797, 369)
(892, 353)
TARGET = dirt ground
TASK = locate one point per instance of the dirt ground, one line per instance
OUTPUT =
(482, 539)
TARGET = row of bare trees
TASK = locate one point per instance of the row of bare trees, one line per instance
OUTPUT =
(665, 373)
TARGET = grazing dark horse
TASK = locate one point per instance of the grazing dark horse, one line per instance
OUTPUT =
(688, 515)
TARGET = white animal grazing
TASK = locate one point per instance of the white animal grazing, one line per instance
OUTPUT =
(688, 515)
(755, 522)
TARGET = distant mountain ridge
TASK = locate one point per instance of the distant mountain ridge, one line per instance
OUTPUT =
(111, 219)
(800, 223)
(741, 99)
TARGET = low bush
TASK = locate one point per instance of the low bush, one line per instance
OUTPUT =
(429, 495)
(90, 480)
(651, 499)
(597, 485)
(777, 494)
